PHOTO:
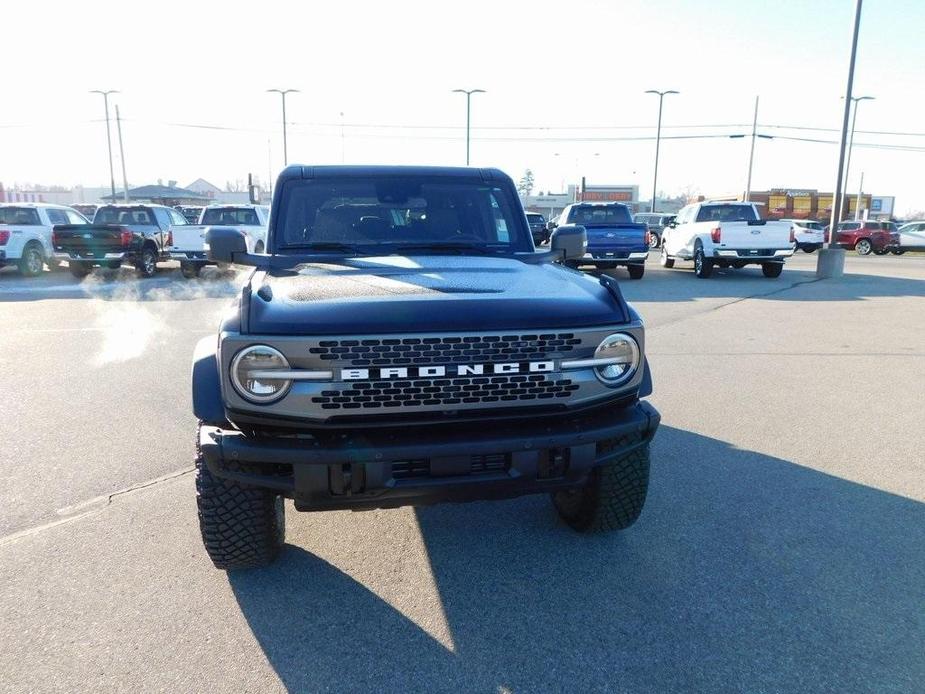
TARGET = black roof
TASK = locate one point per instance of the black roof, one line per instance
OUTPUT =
(296, 171)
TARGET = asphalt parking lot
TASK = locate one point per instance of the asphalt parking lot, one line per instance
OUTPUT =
(781, 547)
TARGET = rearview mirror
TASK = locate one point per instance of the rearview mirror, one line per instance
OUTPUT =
(569, 241)
(224, 244)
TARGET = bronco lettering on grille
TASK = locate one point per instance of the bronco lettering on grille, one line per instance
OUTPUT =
(451, 370)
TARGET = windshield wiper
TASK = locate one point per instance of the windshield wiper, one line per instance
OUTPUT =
(443, 247)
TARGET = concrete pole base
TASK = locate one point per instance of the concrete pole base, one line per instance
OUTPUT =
(830, 263)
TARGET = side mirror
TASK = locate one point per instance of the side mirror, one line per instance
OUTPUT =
(570, 241)
(672, 224)
(224, 243)
(551, 226)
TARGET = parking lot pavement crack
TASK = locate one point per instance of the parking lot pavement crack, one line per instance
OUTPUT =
(71, 513)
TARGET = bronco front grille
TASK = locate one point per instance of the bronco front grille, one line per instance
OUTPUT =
(444, 392)
(445, 350)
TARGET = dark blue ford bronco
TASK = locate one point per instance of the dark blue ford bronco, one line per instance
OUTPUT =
(402, 342)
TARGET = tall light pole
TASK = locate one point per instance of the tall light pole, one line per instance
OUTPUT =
(658, 140)
(282, 93)
(831, 260)
(854, 120)
(751, 154)
(112, 176)
(468, 93)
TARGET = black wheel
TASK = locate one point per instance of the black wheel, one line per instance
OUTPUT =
(79, 269)
(242, 527)
(636, 271)
(881, 251)
(190, 270)
(613, 497)
(654, 240)
(703, 266)
(664, 260)
(897, 251)
(809, 249)
(772, 269)
(33, 260)
(147, 263)
(863, 247)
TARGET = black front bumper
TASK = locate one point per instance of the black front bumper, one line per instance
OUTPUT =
(416, 466)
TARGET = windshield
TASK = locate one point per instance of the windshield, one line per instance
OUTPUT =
(19, 216)
(369, 214)
(232, 216)
(135, 216)
(727, 213)
(593, 215)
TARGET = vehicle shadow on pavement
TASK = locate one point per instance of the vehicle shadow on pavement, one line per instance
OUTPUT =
(792, 285)
(744, 573)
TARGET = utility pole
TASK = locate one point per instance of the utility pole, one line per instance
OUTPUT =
(751, 155)
(122, 155)
(112, 176)
(658, 140)
(282, 93)
(831, 260)
(854, 119)
(857, 205)
(468, 93)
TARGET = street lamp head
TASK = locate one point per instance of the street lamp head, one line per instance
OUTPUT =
(655, 91)
(468, 91)
(104, 93)
(282, 91)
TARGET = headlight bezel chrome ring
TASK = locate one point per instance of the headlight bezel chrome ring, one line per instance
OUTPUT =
(628, 375)
(244, 392)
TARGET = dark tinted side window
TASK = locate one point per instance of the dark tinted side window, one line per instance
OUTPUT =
(56, 216)
(19, 216)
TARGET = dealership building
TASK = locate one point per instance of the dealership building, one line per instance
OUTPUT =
(804, 203)
(550, 205)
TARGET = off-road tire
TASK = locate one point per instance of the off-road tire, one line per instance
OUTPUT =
(703, 266)
(242, 527)
(147, 262)
(79, 269)
(33, 260)
(664, 260)
(636, 271)
(863, 247)
(190, 270)
(772, 270)
(613, 497)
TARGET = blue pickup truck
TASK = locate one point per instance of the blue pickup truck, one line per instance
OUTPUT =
(613, 238)
(402, 342)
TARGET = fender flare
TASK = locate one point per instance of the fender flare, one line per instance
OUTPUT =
(206, 384)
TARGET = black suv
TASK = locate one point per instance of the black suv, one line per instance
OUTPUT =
(538, 228)
(402, 343)
(655, 222)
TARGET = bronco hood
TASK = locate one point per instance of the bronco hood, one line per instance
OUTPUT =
(424, 294)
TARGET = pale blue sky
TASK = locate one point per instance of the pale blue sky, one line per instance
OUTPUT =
(576, 65)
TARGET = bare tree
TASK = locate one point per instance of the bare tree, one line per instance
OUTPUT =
(239, 186)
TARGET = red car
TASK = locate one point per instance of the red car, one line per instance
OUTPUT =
(866, 237)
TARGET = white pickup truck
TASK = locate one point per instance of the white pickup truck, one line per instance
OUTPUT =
(726, 234)
(189, 241)
(25, 234)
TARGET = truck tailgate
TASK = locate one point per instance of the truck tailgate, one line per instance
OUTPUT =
(189, 238)
(88, 239)
(753, 235)
(616, 237)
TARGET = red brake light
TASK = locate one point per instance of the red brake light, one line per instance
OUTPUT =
(716, 234)
(793, 234)
(648, 238)
(126, 236)
(170, 238)
(5, 236)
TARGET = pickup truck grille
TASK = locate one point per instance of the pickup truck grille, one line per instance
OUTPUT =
(444, 392)
(445, 350)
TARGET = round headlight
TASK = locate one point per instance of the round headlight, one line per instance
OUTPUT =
(622, 351)
(251, 374)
